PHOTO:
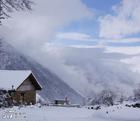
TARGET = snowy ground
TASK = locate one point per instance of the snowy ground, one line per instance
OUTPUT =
(115, 113)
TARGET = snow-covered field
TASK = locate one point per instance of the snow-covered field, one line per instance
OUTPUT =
(114, 113)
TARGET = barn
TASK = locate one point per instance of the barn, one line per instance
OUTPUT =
(21, 86)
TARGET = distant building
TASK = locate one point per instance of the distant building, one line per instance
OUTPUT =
(21, 86)
(61, 102)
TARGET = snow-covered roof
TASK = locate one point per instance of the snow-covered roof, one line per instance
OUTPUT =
(12, 77)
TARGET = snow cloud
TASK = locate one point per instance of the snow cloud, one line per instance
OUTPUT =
(39, 26)
(74, 36)
(132, 61)
(90, 70)
(125, 20)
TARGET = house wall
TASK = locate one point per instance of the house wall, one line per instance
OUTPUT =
(24, 97)
(26, 93)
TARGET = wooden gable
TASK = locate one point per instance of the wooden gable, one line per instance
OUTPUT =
(29, 84)
(26, 86)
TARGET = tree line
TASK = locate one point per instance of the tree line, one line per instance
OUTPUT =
(108, 97)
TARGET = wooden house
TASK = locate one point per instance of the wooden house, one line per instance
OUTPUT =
(21, 85)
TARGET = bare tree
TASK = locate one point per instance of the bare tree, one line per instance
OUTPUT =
(8, 6)
(106, 97)
(137, 94)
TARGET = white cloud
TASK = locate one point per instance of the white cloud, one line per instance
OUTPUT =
(73, 36)
(40, 25)
(122, 40)
(124, 50)
(125, 21)
(132, 61)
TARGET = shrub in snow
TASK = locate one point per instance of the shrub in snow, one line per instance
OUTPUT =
(137, 94)
(5, 99)
(136, 105)
(105, 97)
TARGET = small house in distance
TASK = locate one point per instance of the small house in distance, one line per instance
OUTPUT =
(21, 86)
(61, 102)
(64, 103)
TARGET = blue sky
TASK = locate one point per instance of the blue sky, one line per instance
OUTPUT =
(91, 25)
(102, 6)
(76, 22)
(97, 26)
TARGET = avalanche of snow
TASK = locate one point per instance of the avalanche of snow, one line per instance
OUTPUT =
(94, 71)
(46, 113)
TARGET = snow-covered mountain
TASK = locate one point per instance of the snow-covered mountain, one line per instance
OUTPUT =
(53, 86)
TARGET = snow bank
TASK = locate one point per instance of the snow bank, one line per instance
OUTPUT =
(45, 113)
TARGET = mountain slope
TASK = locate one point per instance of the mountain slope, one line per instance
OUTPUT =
(53, 86)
